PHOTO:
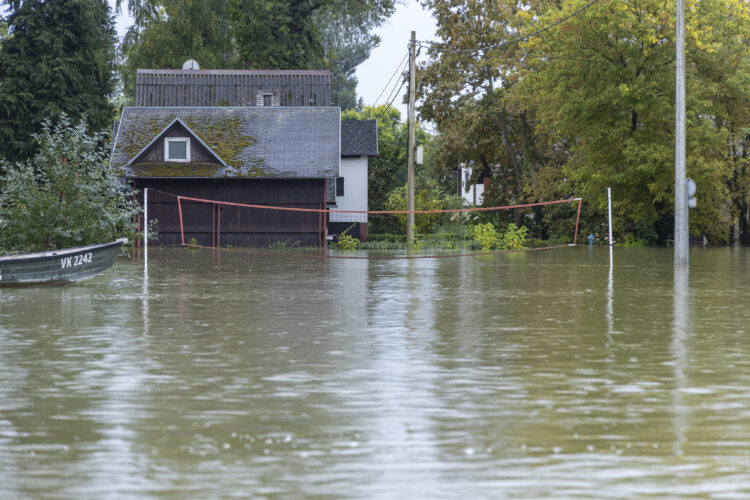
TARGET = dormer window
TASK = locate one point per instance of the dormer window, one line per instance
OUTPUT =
(177, 149)
(267, 98)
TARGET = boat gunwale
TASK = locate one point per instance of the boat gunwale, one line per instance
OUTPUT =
(31, 257)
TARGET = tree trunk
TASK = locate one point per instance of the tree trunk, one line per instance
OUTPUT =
(517, 216)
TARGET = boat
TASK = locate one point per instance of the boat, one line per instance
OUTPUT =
(58, 266)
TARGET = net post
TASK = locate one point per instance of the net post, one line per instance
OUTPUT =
(578, 217)
(182, 228)
(609, 214)
(325, 214)
(145, 224)
(218, 227)
(145, 218)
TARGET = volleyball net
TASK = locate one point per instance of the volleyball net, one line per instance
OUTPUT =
(192, 221)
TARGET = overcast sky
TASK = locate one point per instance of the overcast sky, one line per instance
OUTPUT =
(373, 74)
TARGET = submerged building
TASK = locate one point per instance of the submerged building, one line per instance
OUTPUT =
(255, 137)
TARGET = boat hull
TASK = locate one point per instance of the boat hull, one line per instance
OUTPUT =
(58, 266)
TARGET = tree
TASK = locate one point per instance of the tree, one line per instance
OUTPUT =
(347, 40)
(605, 82)
(277, 35)
(466, 86)
(167, 33)
(58, 58)
(589, 103)
(64, 195)
(3, 31)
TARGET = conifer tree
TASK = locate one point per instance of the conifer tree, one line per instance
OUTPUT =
(58, 57)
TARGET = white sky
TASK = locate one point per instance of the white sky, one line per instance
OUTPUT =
(374, 73)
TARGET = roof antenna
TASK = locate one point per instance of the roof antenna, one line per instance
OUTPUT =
(190, 64)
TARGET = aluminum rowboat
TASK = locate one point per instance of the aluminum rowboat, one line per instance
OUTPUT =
(58, 266)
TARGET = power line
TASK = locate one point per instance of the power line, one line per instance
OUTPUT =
(403, 68)
(431, 45)
(345, 146)
(390, 103)
(391, 79)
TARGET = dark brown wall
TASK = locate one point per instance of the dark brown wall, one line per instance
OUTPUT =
(155, 152)
(231, 88)
(240, 227)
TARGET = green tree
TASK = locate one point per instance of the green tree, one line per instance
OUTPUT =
(279, 34)
(466, 87)
(64, 196)
(58, 58)
(166, 33)
(3, 31)
(347, 40)
(604, 83)
(589, 103)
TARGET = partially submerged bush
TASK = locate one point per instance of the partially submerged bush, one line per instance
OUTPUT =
(346, 242)
(65, 195)
(514, 238)
(484, 234)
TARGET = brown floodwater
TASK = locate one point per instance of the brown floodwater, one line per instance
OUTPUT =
(231, 375)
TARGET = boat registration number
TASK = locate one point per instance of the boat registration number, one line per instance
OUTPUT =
(76, 260)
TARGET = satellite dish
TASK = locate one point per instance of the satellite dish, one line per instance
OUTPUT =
(690, 186)
(190, 64)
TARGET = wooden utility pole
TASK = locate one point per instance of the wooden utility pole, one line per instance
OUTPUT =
(412, 122)
(681, 243)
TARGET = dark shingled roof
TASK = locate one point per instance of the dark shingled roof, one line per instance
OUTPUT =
(359, 137)
(260, 142)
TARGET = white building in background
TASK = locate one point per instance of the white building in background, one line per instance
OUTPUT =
(472, 193)
(359, 141)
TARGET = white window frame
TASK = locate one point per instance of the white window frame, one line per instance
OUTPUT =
(169, 140)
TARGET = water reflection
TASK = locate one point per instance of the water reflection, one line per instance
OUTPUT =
(679, 349)
(145, 296)
(222, 374)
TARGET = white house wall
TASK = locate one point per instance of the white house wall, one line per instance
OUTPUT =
(354, 172)
(475, 194)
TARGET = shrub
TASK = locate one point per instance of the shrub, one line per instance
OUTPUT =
(65, 196)
(485, 235)
(346, 242)
(514, 238)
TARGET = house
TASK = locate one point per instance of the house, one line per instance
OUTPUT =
(472, 193)
(359, 142)
(251, 137)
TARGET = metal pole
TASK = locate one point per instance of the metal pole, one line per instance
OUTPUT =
(680, 192)
(182, 228)
(609, 211)
(412, 120)
(145, 224)
(325, 214)
(578, 217)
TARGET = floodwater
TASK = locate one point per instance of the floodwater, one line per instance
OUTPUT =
(232, 375)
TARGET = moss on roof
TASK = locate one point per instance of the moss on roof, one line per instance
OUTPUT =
(253, 142)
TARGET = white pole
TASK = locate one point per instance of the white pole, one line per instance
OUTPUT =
(145, 224)
(609, 210)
